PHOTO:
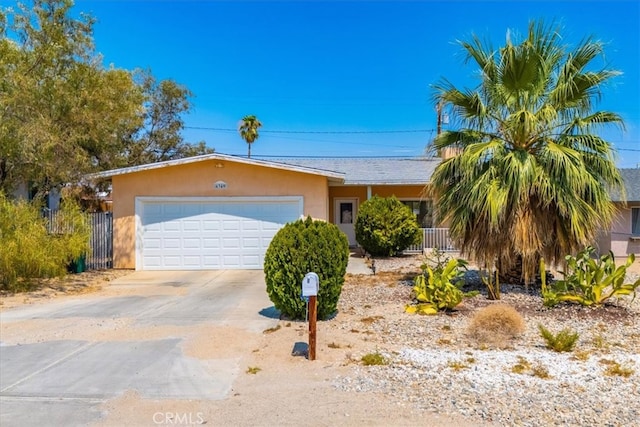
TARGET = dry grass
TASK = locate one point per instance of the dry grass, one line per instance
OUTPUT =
(495, 325)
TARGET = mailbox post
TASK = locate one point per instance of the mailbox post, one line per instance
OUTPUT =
(310, 285)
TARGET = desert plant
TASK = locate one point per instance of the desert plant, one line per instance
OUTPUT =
(436, 259)
(591, 281)
(301, 247)
(374, 359)
(33, 248)
(439, 290)
(495, 324)
(615, 369)
(385, 226)
(565, 340)
(522, 366)
(492, 282)
(540, 371)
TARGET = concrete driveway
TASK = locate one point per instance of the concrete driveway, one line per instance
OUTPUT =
(166, 335)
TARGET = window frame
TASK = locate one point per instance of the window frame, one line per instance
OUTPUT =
(636, 232)
(405, 200)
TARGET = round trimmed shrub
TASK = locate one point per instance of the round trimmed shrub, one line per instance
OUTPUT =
(299, 248)
(386, 227)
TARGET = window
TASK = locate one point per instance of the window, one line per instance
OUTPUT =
(423, 209)
(635, 221)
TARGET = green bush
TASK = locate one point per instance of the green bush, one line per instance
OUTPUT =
(31, 248)
(565, 340)
(301, 247)
(589, 281)
(386, 227)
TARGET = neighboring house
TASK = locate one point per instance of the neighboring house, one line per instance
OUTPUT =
(218, 211)
(624, 236)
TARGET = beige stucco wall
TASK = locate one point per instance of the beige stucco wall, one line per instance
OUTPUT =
(197, 180)
(621, 245)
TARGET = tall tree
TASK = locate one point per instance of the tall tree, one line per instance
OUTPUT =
(159, 138)
(248, 129)
(63, 114)
(532, 176)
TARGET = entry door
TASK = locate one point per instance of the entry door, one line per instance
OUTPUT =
(345, 217)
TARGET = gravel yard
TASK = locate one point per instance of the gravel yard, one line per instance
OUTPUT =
(435, 366)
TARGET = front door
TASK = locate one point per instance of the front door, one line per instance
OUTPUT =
(345, 217)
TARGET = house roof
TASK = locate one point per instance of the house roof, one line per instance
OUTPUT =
(332, 175)
(372, 170)
(631, 179)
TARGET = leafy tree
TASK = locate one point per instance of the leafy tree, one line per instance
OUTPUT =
(249, 130)
(532, 175)
(159, 138)
(62, 114)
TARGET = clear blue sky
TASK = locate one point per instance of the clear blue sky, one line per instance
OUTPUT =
(343, 66)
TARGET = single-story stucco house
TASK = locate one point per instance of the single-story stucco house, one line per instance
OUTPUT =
(219, 211)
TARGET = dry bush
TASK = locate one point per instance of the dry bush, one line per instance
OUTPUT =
(495, 325)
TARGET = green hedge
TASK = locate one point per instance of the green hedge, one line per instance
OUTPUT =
(301, 247)
(386, 227)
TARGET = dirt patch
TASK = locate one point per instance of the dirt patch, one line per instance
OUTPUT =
(73, 284)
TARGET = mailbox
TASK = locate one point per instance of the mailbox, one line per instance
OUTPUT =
(310, 285)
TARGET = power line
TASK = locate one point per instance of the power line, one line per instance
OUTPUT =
(330, 132)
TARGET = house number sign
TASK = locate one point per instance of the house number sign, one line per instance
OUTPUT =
(220, 185)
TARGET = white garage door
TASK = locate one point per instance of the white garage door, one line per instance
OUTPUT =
(211, 233)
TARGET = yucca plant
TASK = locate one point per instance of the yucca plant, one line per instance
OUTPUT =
(533, 176)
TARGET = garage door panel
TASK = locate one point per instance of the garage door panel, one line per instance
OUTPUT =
(188, 234)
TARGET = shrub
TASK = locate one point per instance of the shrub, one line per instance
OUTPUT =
(439, 289)
(589, 281)
(496, 324)
(386, 227)
(565, 340)
(374, 359)
(31, 248)
(301, 247)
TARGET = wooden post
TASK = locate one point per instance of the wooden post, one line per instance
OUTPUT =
(312, 326)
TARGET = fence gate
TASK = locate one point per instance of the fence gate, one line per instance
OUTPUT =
(101, 256)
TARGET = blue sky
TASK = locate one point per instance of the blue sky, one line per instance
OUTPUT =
(350, 67)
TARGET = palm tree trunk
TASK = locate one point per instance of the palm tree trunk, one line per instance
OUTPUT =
(249, 153)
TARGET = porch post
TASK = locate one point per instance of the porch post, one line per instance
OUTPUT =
(368, 192)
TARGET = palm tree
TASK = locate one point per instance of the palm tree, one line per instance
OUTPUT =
(532, 177)
(248, 129)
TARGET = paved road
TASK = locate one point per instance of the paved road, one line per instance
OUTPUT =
(63, 381)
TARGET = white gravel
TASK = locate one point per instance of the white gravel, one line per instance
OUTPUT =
(435, 366)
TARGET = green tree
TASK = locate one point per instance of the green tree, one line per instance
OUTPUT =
(159, 138)
(248, 129)
(532, 175)
(63, 114)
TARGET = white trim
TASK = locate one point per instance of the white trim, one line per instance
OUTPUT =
(141, 200)
(220, 157)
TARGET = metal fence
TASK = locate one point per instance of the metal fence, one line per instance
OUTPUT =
(434, 238)
(101, 239)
